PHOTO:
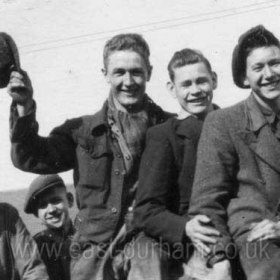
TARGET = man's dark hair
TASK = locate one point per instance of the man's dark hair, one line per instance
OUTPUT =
(130, 41)
(256, 37)
(186, 57)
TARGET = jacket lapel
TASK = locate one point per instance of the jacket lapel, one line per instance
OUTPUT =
(261, 140)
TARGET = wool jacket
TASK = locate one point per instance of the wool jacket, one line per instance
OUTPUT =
(86, 145)
(19, 258)
(237, 173)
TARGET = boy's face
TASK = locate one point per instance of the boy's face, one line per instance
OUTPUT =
(193, 86)
(127, 74)
(263, 73)
(53, 207)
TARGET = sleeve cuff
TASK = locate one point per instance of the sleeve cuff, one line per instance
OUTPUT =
(21, 127)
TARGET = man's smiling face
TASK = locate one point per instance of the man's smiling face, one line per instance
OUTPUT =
(53, 208)
(127, 74)
(263, 73)
(193, 86)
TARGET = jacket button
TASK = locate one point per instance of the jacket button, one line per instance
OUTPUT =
(127, 157)
(114, 210)
(119, 155)
(117, 172)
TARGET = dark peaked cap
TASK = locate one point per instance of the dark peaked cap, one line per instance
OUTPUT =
(257, 36)
(8, 57)
(39, 185)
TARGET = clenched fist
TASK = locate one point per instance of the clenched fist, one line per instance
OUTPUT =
(20, 88)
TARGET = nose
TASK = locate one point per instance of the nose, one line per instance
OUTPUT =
(268, 72)
(128, 79)
(50, 208)
(195, 89)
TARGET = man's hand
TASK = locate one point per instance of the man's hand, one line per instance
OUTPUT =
(220, 271)
(264, 230)
(20, 89)
(201, 233)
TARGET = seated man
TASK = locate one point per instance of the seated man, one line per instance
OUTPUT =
(238, 166)
(168, 163)
(48, 200)
(19, 256)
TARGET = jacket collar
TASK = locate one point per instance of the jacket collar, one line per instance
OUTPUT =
(99, 121)
(190, 126)
(258, 136)
(256, 119)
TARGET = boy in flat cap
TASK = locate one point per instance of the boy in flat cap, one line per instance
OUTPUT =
(103, 149)
(168, 163)
(238, 166)
(49, 200)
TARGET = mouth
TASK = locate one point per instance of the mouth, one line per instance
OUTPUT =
(272, 84)
(197, 100)
(54, 218)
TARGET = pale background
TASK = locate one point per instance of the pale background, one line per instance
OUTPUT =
(61, 41)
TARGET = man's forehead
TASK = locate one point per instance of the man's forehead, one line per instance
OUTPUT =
(264, 52)
(192, 69)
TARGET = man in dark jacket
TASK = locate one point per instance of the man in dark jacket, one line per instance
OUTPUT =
(104, 149)
(168, 163)
(19, 256)
(238, 169)
(49, 201)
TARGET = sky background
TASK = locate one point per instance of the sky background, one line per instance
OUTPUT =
(61, 44)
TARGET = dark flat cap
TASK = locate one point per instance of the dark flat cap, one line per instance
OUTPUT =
(9, 58)
(255, 37)
(39, 185)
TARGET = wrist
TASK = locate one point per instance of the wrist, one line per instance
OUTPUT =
(24, 109)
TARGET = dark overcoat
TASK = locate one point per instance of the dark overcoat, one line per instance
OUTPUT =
(166, 178)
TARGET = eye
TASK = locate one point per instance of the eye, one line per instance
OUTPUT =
(202, 80)
(42, 204)
(275, 63)
(186, 84)
(257, 68)
(118, 72)
(55, 200)
(137, 72)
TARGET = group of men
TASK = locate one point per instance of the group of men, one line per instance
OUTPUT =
(157, 192)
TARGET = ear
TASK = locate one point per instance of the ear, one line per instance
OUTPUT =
(150, 70)
(171, 88)
(104, 72)
(246, 82)
(215, 80)
(70, 199)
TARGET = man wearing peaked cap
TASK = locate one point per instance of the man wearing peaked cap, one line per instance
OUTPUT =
(238, 162)
(39, 185)
(48, 200)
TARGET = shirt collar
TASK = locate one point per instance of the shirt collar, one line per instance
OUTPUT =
(183, 114)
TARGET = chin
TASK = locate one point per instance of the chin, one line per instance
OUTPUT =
(130, 102)
(199, 111)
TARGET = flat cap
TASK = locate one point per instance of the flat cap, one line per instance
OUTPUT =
(8, 57)
(39, 185)
(255, 37)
